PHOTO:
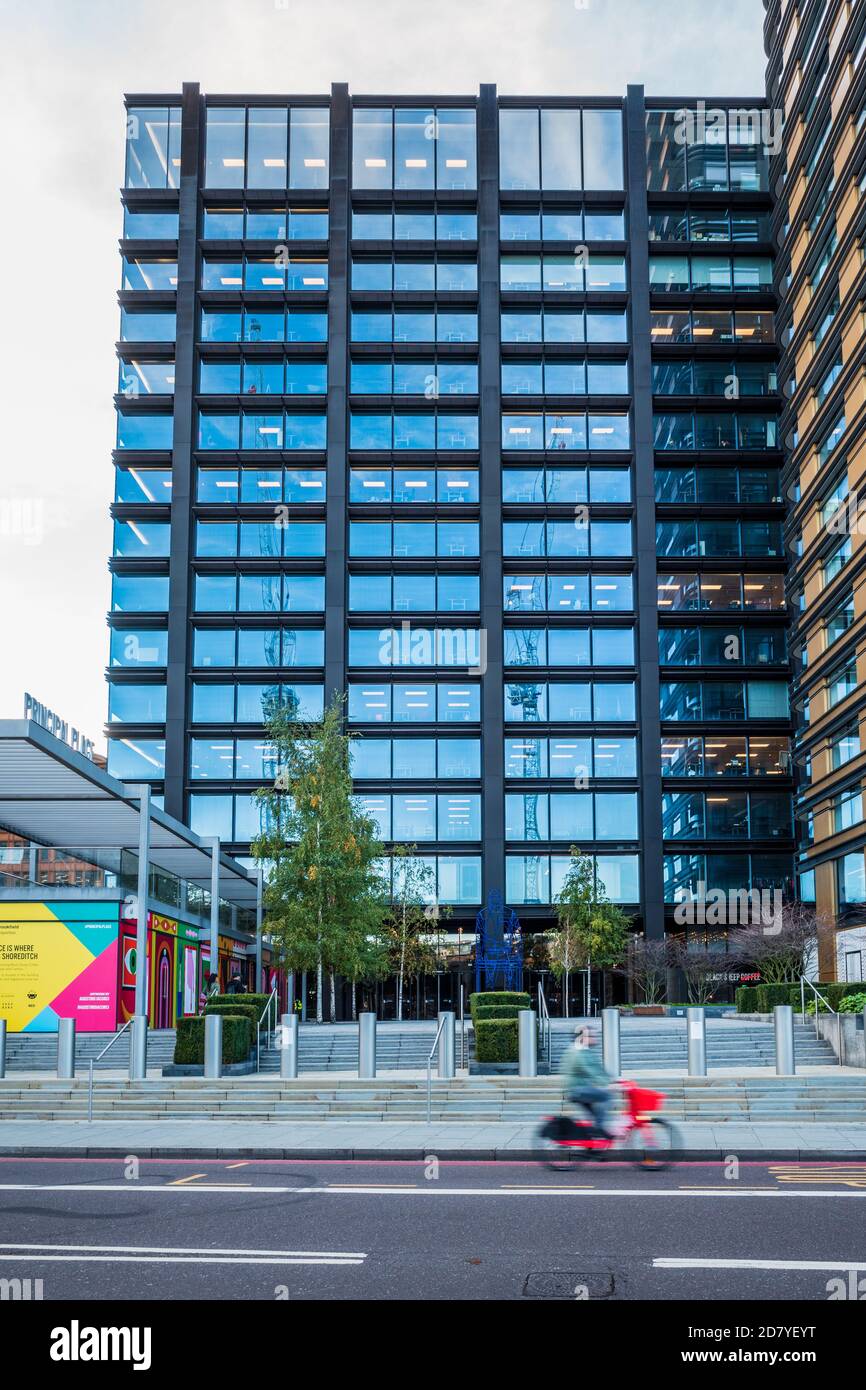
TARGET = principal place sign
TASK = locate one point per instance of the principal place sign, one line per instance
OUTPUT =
(60, 728)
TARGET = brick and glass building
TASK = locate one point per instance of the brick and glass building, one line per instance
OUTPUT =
(466, 406)
(816, 76)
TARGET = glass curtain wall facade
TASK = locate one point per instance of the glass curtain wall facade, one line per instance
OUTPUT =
(816, 80)
(517, 465)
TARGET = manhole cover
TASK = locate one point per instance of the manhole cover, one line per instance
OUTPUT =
(571, 1284)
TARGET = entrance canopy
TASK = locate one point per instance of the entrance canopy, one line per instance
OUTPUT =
(56, 797)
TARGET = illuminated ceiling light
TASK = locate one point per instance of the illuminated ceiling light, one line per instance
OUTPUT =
(274, 163)
(456, 163)
(375, 163)
(310, 163)
(232, 163)
(416, 163)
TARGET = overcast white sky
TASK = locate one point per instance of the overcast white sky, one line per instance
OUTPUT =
(64, 68)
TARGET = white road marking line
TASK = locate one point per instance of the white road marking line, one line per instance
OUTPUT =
(433, 1189)
(35, 1258)
(182, 1250)
(711, 1263)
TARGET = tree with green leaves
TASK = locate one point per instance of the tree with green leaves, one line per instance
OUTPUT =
(324, 894)
(593, 931)
(414, 912)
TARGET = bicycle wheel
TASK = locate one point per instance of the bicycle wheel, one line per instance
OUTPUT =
(653, 1143)
(553, 1154)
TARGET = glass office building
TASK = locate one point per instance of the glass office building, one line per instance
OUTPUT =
(467, 408)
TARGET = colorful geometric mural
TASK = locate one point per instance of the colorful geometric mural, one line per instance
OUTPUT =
(58, 960)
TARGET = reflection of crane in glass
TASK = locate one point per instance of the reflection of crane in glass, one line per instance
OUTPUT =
(527, 696)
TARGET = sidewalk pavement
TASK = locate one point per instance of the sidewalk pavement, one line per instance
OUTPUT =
(387, 1077)
(354, 1139)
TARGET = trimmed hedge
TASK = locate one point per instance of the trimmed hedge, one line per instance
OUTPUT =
(483, 1011)
(237, 1010)
(747, 999)
(257, 1000)
(496, 1040)
(497, 997)
(762, 999)
(189, 1041)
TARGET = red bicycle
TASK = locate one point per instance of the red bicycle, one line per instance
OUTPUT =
(646, 1136)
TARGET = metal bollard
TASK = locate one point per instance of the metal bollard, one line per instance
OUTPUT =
(213, 1046)
(445, 1070)
(66, 1049)
(697, 1026)
(289, 1047)
(610, 1050)
(783, 1027)
(2, 1048)
(138, 1048)
(366, 1046)
(527, 1042)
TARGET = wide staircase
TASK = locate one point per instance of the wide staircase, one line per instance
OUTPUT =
(663, 1043)
(38, 1051)
(327, 1047)
(829, 1098)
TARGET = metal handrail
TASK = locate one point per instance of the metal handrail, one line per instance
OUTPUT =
(430, 1066)
(827, 1005)
(266, 1010)
(462, 1032)
(98, 1058)
(544, 1017)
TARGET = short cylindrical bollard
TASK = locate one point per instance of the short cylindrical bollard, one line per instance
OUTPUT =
(213, 1046)
(138, 1048)
(289, 1047)
(527, 1042)
(697, 1028)
(610, 1042)
(367, 1046)
(66, 1049)
(783, 1025)
(2, 1048)
(445, 1070)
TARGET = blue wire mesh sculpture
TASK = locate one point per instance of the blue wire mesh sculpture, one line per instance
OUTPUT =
(498, 946)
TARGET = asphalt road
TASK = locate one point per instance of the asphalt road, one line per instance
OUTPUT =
(245, 1229)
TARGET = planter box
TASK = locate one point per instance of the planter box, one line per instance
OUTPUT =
(648, 1010)
(493, 1068)
(197, 1069)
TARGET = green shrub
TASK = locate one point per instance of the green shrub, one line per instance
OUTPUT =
(747, 999)
(239, 1009)
(189, 1040)
(497, 1011)
(498, 997)
(258, 1001)
(853, 1003)
(496, 1040)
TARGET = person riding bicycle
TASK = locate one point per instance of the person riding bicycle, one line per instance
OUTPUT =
(586, 1081)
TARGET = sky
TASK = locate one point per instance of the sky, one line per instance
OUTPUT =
(64, 68)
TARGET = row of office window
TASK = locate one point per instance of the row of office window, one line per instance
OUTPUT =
(569, 646)
(726, 755)
(413, 539)
(726, 815)
(436, 702)
(386, 224)
(719, 537)
(576, 593)
(414, 326)
(281, 430)
(259, 593)
(413, 759)
(414, 148)
(708, 224)
(267, 147)
(689, 876)
(279, 224)
(726, 378)
(148, 431)
(557, 377)
(268, 273)
(418, 816)
(260, 538)
(571, 816)
(577, 537)
(724, 701)
(413, 485)
(227, 485)
(538, 879)
(439, 430)
(416, 647)
(414, 593)
(567, 756)
(263, 326)
(152, 147)
(706, 151)
(722, 646)
(596, 271)
(439, 276)
(256, 646)
(716, 431)
(560, 149)
(565, 224)
(563, 326)
(254, 703)
(556, 485)
(720, 274)
(687, 485)
(709, 326)
(571, 431)
(262, 376)
(384, 377)
(569, 702)
(691, 592)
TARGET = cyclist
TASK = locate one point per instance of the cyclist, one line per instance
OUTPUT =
(585, 1079)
